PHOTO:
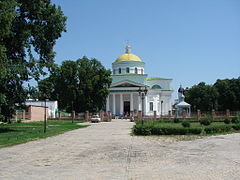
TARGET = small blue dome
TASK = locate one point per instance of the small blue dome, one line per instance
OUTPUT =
(181, 90)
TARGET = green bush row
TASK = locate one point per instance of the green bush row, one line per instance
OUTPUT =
(236, 127)
(157, 129)
(163, 130)
(217, 129)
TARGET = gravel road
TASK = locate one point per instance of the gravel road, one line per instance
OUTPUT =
(106, 151)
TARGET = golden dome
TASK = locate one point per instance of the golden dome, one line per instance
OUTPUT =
(128, 57)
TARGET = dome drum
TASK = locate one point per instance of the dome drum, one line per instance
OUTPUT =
(128, 63)
(128, 67)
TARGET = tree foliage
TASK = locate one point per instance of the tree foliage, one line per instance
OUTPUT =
(229, 93)
(29, 30)
(81, 85)
(224, 94)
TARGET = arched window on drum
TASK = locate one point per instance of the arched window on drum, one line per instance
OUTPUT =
(136, 70)
(156, 86)
(127, 70)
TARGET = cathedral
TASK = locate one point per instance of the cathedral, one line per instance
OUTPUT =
(132, 89)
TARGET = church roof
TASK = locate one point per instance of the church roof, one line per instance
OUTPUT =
(183, 104)
(157, 78)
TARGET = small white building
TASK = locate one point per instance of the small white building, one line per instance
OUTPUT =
(127, 78)
(181, 106)
(52, 106)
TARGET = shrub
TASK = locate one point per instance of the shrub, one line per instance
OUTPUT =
(218, 129)
(157, 130)
(161, 129)
(1, 118)
(236, 126)
(140, 129)
(176, 120)
(236, 120)
(227, 121)
(206, 121)
(186, 124)
(174, 130)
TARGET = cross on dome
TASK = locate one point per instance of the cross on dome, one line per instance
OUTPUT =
(128, 49)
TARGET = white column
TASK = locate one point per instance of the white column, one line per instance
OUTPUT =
(145, 105)
(139, 104)
(107, 103)
(131, 102)
(114, 105)
(121, 104)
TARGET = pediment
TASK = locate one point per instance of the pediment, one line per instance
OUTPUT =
(127, 83)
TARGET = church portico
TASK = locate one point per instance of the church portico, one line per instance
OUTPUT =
(122, 103)
(127, 78)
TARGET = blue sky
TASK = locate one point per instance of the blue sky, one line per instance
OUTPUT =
(187, 40)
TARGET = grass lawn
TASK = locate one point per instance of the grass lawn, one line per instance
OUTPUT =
(17, 133)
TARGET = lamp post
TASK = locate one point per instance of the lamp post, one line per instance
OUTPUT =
(161, 108)
(72, 112)
(45, 117)
(142, 92)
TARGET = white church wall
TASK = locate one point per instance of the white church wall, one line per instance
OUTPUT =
(156, 97)
(166, 98)
(153, 97)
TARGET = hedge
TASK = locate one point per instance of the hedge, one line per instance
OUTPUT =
(236, 127)
(151, 128)
(164, 130)
(217, 129)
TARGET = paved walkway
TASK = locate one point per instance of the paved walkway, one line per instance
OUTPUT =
(106, 151)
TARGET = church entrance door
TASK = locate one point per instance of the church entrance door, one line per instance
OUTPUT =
(126, 108)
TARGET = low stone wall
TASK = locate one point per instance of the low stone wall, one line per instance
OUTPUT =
(86, 116)
(33, 113)
(37, 113)
(215, 115)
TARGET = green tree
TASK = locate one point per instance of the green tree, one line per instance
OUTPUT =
(202, 96)
(229, 93)
(94, 81)
(224, 94)
(82, 84)
(27, 27)
(66, 85)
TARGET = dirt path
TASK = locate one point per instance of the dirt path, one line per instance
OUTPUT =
(107, 151)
